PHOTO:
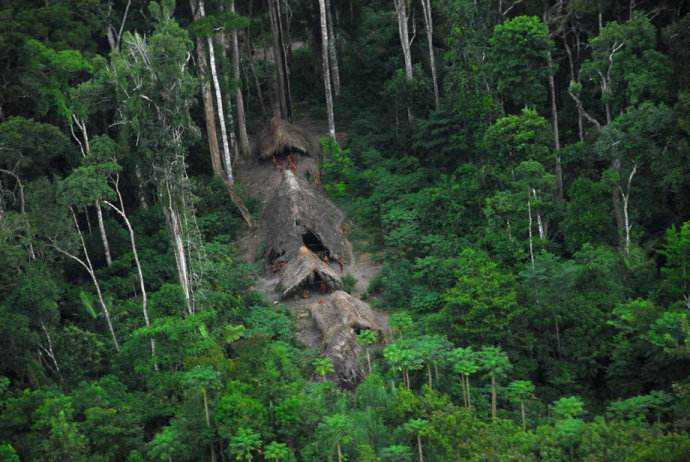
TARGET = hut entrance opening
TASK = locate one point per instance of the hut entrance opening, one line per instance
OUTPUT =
(313, 243)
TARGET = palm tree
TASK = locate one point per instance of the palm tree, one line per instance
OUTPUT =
(496, 364)
(244, 443)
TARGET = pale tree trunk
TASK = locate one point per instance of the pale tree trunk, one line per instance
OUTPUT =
(175, 225)
(239, 97)
(104, 236)
(120, 210)
(326, 69)
(49, 351)
(573, 78)
(286, 47)
(419, 448)
(429, 25)
(255, 77)
(554, 108)
(469, 396)
(522, 413)
(428, 376)
(529, 228)
(625, 196)
(88, 266)
(556, 134)
(369, 360)
(278, 55)
(227, 158)
(340, 452)
(85, 147)
(464, 390)
(209, 110)
(541, 226)
(211, 132)
(332, 50)
(493, 397)
(405, 42)
(22, 211)
(204, 395)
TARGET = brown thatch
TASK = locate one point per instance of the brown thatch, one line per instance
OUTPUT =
(283, 138)
(297, 216)
(340, 317)
(306, 271)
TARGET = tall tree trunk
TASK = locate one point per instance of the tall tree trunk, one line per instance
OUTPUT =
(522, 413)
(573, 78)
(175, 225)
(326, 69)
(286, 48)
(419, 448)
(85, 147)
(88, 266)
(428, 376)
(209, 110)
(405, 42)
(340, 452)
(493, 397)
(210, 117)
(332, 49)
(204, 396)
(556, 132)
(104, 236)
(429, 25)
(239, 97)
(120, 210)
(464, 390)
(227, 158)
(280, 78)
(618, 208)
(469, 396)
(529, 228)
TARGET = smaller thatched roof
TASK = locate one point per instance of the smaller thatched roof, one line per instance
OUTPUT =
(282, 137)
(307, 270)
(340, 317)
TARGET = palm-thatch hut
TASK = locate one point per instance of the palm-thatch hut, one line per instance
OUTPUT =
(282, 138)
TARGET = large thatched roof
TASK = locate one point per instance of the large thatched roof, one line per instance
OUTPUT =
(297, 216)
(282, 137)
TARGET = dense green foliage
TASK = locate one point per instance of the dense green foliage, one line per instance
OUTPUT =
(537, 280)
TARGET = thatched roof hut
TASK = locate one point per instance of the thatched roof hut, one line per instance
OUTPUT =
(299, 216)
(283, 138)
(308, 271)
(339, 318)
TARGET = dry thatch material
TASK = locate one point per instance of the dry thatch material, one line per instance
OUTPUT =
(299, 216)
(307, 271)
(340, 317)
(282, 138)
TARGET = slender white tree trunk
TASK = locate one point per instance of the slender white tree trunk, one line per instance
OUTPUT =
(419, 448)
(239, 97)
(529, 228)
(227, 159)
(85, 147)
(120, 210)
(405, 42)
(625, 196)
(104, 236)
(332, 50)
(429, 25)
(326, 69)
(88, 266)
(556, 133)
